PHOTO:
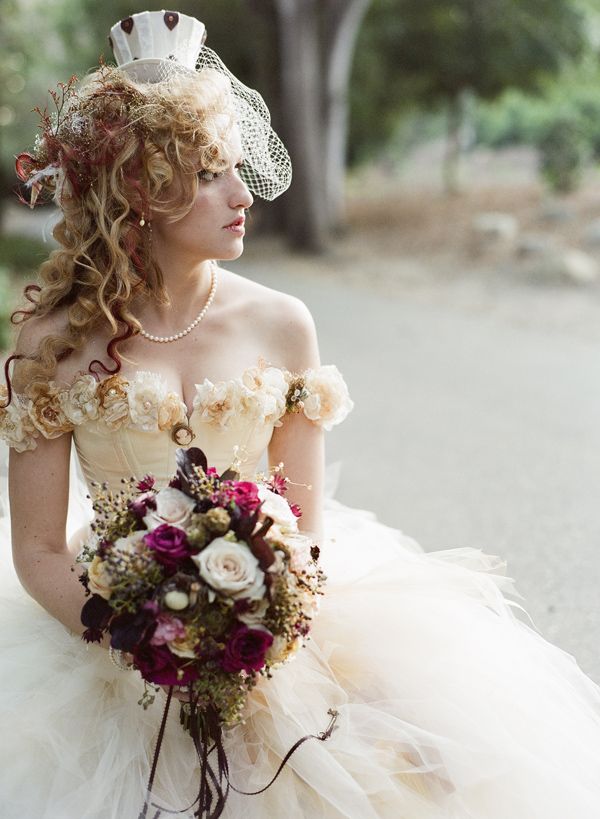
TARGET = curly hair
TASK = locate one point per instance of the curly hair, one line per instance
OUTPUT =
(106, 157)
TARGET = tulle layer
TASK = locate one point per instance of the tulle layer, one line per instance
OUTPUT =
(450, 706)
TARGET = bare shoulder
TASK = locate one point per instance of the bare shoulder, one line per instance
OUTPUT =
(284, 321)
(33, 331)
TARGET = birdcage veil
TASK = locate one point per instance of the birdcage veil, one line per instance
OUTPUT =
(156, 47)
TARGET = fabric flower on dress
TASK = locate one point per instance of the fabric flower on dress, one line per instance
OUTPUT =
(269, 388)
(112, 399)
(171, 411)
(16, 427)
(80, 403)
(146, 393)
(46, 412)
(327, 401)
(219, 403)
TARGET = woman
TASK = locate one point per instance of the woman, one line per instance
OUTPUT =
(138, 343)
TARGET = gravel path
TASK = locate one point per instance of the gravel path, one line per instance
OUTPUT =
(477, 407)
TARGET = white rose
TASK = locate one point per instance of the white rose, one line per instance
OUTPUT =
(300, 556)
(280, 651)
(99, 579)
(79, 402)
(131, 544)
(231, 568)
(172, 507)
(328, 401)
(276, 507)
(255, 614)
(145, 395)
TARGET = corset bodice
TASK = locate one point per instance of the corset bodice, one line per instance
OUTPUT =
(132, 427)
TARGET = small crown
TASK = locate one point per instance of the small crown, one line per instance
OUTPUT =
(144, 42)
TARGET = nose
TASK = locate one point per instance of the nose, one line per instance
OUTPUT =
(240, 195)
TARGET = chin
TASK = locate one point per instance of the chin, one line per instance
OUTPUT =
(231, 254)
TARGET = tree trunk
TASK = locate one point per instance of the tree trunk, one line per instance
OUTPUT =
(343, 19)
(451, 163)
(306, 212)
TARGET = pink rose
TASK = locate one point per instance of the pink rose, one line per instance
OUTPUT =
(245, 495)
(169, 544)
(246, 649)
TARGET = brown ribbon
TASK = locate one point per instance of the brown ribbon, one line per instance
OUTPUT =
(214, 786)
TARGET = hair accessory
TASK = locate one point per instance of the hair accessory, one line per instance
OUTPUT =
(156, 46)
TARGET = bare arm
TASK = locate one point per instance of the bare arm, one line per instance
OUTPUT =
(39, 490)
(299, 443)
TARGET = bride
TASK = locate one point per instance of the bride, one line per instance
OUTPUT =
(138, 342)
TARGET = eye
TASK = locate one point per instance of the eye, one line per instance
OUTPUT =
(208, 176)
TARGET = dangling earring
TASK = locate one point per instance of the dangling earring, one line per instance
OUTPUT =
(142, 220)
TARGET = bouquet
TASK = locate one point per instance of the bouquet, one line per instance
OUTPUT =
(208, 585)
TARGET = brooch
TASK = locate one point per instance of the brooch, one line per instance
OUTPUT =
(182, 434)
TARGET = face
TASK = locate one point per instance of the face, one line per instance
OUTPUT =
(214, 227)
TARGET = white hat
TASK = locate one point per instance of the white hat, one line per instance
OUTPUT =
(143, 42)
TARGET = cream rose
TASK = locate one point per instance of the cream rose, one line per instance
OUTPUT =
(276, 507)
(16, 427)
(218, 403)
(80, 403)
(171, 411)
(172, 507)
(255, 614)
(112, 396)
(46, 412)
(145, 395)
(328, 401)
(231, 568)
(131, 544)
(280, 651)
(99, 579)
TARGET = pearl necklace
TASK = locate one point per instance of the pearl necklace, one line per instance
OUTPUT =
(196, 321)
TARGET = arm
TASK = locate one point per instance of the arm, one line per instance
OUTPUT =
(39, 497)
(299, 443)
(39, 491)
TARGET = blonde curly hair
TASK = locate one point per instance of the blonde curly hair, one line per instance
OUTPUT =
(106, 157)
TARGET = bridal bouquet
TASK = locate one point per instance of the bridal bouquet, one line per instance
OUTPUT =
(207, 582)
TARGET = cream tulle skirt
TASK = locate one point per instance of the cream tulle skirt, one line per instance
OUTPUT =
(449, 705)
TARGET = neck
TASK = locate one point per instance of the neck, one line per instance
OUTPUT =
(187, 281)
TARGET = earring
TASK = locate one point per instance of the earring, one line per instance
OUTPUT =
(142, 220)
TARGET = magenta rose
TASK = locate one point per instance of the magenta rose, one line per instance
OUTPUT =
(246, 649)
(245, 494)
(169, 544)
(158, 665)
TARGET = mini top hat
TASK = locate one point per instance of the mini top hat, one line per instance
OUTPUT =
(144, 42)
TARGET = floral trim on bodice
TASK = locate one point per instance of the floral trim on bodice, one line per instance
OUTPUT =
(262, 394)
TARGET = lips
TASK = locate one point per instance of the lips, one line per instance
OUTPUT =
(239, 222)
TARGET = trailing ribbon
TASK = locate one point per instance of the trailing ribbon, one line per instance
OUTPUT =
(207, 736)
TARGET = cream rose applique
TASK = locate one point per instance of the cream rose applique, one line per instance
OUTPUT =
(16, 427)
(325, 399)
(80, 403)
(217, 404)
(112, 400)
(46, 412)
(269, 388)
(151, 406)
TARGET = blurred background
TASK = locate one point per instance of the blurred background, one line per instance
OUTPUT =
(443, 226)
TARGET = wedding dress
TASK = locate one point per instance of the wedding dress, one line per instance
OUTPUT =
(450, 705)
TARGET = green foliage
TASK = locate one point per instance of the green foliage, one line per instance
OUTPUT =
(428, 52)
(563, 151)
(21, 255)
